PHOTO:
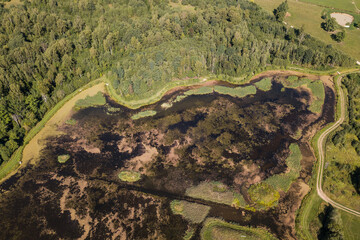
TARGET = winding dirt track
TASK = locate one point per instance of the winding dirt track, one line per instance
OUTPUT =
(320, 145)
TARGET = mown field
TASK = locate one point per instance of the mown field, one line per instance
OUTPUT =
(343, 4)
(306, 13)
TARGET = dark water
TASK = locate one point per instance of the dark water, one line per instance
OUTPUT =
(106, 128)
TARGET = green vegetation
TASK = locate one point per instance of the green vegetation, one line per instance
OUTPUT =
(307, 15)
(283, 181)
(350, 226)
(239, 92)
(63, 158)
(189, 234)
(343, 4)
(264, 84)
(199, 91)
(342, 165)
(216, 192)
(71, 122)
(316, 87)
(281, 11)
(339, 36)
(13, 162)
(147, 113)
(318, 91)
(263, 195)
(194, 212)
(129, 176)
(329, 25)
(91, 101)
(66, 49)
(216, 229)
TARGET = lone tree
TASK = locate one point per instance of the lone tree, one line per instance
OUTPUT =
(339, 37)
(281, 11)
(329, 25)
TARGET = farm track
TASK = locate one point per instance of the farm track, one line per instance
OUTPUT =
(320, 145)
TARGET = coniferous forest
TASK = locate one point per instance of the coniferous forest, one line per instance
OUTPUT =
(49, 48)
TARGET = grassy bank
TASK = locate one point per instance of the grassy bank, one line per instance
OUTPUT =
(216, 229)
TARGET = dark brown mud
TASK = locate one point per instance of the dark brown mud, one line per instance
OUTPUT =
(202, 138)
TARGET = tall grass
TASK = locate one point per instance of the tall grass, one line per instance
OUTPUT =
(91, 101)
(264, 84)
(194, 212)
(293, 161)
(216, 192)
(236, 92)
(216, 229)
(147, 113)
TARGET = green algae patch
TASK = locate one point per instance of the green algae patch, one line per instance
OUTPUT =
(293, 161)
(216, 192)
(91, 101)
(216, 229)
(263, 195)
(147, 113)
(129, 176)
(239, 92)
(193, 212)
(264, 84)
(63, 158)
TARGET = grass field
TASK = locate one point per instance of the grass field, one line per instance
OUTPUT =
(216, 229)
(216, 192)
(338, 4)
(284, 180)
(194, 212)
(129, 176)
(351, 226)
(309, 15)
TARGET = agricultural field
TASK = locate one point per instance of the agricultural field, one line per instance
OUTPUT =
(307, 14)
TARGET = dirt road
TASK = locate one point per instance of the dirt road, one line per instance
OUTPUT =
(321, 145)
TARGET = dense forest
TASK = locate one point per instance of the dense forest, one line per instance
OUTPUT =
(49, 48)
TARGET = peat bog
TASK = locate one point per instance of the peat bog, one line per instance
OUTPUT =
(235, 142)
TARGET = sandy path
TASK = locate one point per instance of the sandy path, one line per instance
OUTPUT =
(32, 149)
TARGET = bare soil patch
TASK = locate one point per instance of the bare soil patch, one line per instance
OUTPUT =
(343, 19)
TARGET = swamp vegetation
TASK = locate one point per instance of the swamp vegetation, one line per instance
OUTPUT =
(206, 154)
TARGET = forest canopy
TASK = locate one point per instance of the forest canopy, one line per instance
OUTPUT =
(49, 48)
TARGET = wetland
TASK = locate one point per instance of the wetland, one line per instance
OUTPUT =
(202, 152)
